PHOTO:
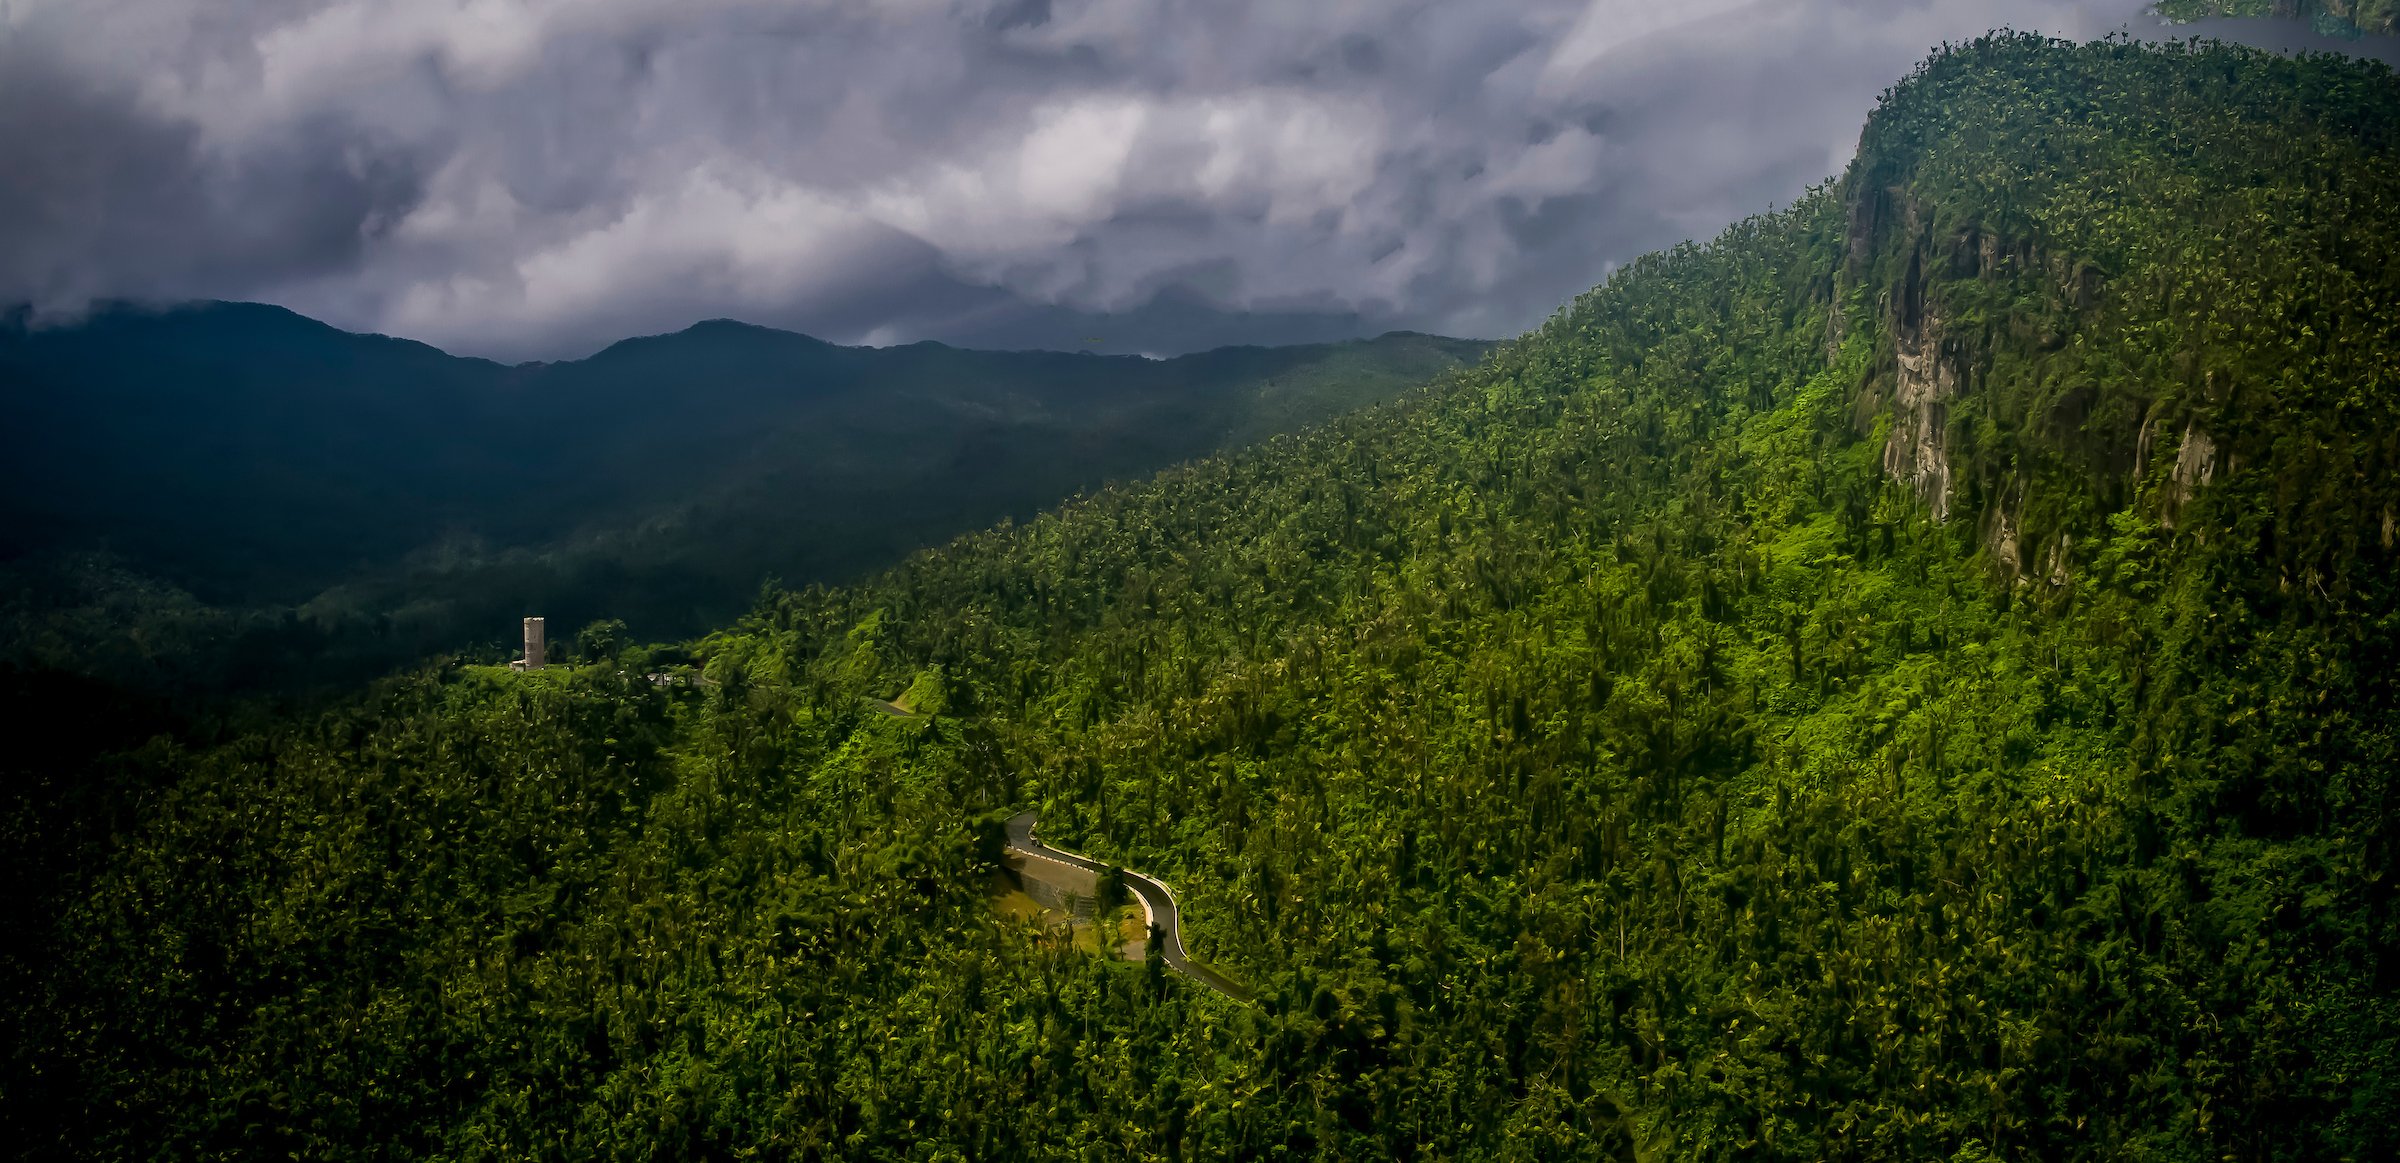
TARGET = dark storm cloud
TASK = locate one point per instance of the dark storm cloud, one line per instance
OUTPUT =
(99, 197)
(529, 178)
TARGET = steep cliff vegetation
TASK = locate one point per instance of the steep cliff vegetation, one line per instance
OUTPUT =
(1912, 678)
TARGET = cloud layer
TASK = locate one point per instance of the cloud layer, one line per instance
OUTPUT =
(530, 178)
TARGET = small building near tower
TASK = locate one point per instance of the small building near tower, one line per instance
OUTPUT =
(534, 647)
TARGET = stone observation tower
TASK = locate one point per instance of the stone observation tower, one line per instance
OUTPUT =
(533, 647)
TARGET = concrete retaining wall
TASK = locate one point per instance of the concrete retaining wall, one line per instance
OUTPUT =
(1056, 884)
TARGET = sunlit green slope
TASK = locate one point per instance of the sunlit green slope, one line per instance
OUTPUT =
(1912, 678)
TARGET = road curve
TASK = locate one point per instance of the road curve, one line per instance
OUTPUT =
(1157, 901)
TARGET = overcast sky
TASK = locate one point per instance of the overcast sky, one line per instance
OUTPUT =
(533, 178)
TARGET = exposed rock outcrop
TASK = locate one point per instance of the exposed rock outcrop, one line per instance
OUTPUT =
(2143, 441)
(2055, 568)
(2195, 465)
(1918, 453)
(2003, 541)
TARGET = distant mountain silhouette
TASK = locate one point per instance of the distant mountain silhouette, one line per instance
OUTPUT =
(257, 458)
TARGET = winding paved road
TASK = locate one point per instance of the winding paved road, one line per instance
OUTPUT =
(1157, 902)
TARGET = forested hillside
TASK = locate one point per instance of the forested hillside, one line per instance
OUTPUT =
(1911, 678)
(262, 499)
(2335, 17)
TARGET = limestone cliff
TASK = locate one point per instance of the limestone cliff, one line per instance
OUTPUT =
(1917, 453)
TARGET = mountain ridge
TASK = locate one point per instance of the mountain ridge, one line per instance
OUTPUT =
(258, 458)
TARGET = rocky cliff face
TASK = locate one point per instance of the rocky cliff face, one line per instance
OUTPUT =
(1961, 453)
(2087, 316)
(1921, 376)
(1917, 453)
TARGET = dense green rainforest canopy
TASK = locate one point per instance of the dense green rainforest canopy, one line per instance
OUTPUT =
(1913, 678)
